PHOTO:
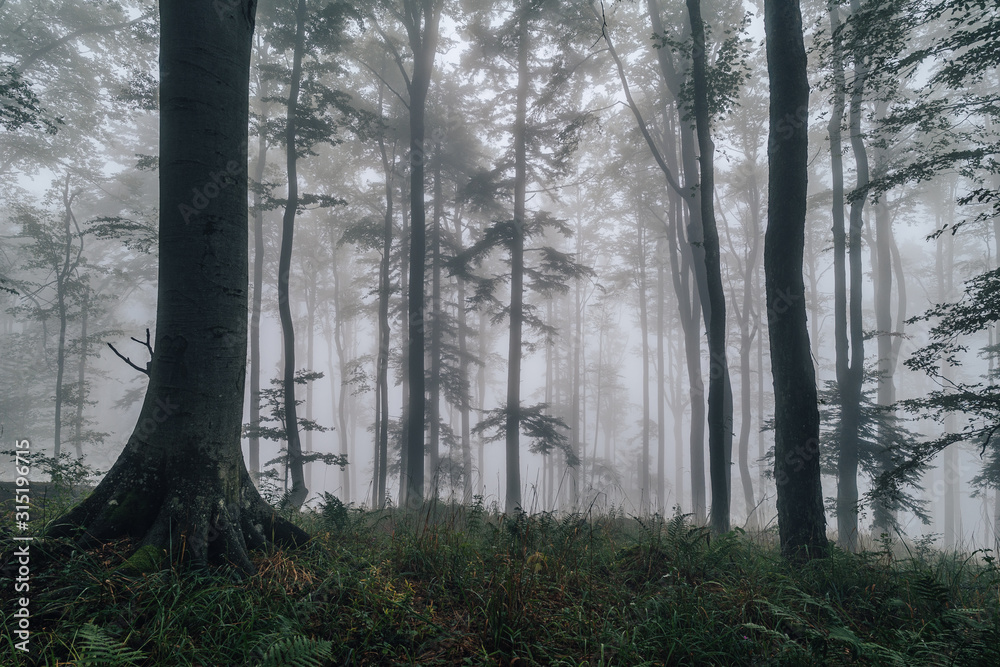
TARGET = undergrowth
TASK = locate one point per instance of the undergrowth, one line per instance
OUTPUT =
(459, 585)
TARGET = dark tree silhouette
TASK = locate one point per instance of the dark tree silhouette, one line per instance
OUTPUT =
(181, 482)
(801, 521)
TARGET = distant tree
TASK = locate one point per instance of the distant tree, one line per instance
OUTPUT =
(181, 484)
(273, 426)
(801, 520)
(420, 20)
(553, 131)
(312, 111)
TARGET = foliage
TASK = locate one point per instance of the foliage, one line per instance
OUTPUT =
(465, 585)
(883, 443)
(979, 402)
(19, 106)
(545, 432)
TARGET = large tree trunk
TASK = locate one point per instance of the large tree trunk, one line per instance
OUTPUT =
(299, 492)
(801, 522)
(513, 427)
(180, 482)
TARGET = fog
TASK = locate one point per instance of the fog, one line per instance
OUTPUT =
(612, 261)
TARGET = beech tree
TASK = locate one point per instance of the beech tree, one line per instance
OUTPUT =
(181, 483)
(801, 521)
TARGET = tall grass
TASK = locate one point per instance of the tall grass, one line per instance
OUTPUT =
(454, 585)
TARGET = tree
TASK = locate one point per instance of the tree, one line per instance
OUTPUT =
(181, 484)
(421, 19)
(850, 351)
(801, 521)
(298, 492)
(720, 393)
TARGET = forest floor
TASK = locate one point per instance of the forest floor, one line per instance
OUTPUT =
(467, 586)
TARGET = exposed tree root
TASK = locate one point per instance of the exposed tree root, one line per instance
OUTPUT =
(178, 515)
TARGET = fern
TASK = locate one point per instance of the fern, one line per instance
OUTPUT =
(99, 649)
(297, 651)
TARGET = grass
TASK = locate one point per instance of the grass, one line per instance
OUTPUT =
(464, 585)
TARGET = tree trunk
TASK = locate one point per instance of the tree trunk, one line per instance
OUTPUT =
(422, 28)
(747, 335)
(463, 374)
(481, 399)
(434, 381)
(513, 427)
(180, 482)
(299, 492)
(62, 308)
(342, 360)
(404, 292)
(848, 332)
(382, 361)
(258, 265)
(310, 290)
(661, 380)
(801, 522)
(720, 398)
(81, 374)
(644, 333)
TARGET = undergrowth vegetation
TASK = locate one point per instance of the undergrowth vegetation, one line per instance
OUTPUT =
(459, 585)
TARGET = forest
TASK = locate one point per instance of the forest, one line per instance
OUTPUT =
(444, 332)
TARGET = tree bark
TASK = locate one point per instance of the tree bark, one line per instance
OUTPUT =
(801, 521)
(720, 419)
(661, 380)
(644, 491)
(258, 266)
(434, 381)
(299, 492)
(181, 483)
(463, 373)
(63, 274)
(81, 373)
(421, 20)
(382, 361)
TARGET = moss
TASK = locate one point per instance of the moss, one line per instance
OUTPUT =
(145, 560)
(126, 510)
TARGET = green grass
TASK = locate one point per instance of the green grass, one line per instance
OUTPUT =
(463, 585)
